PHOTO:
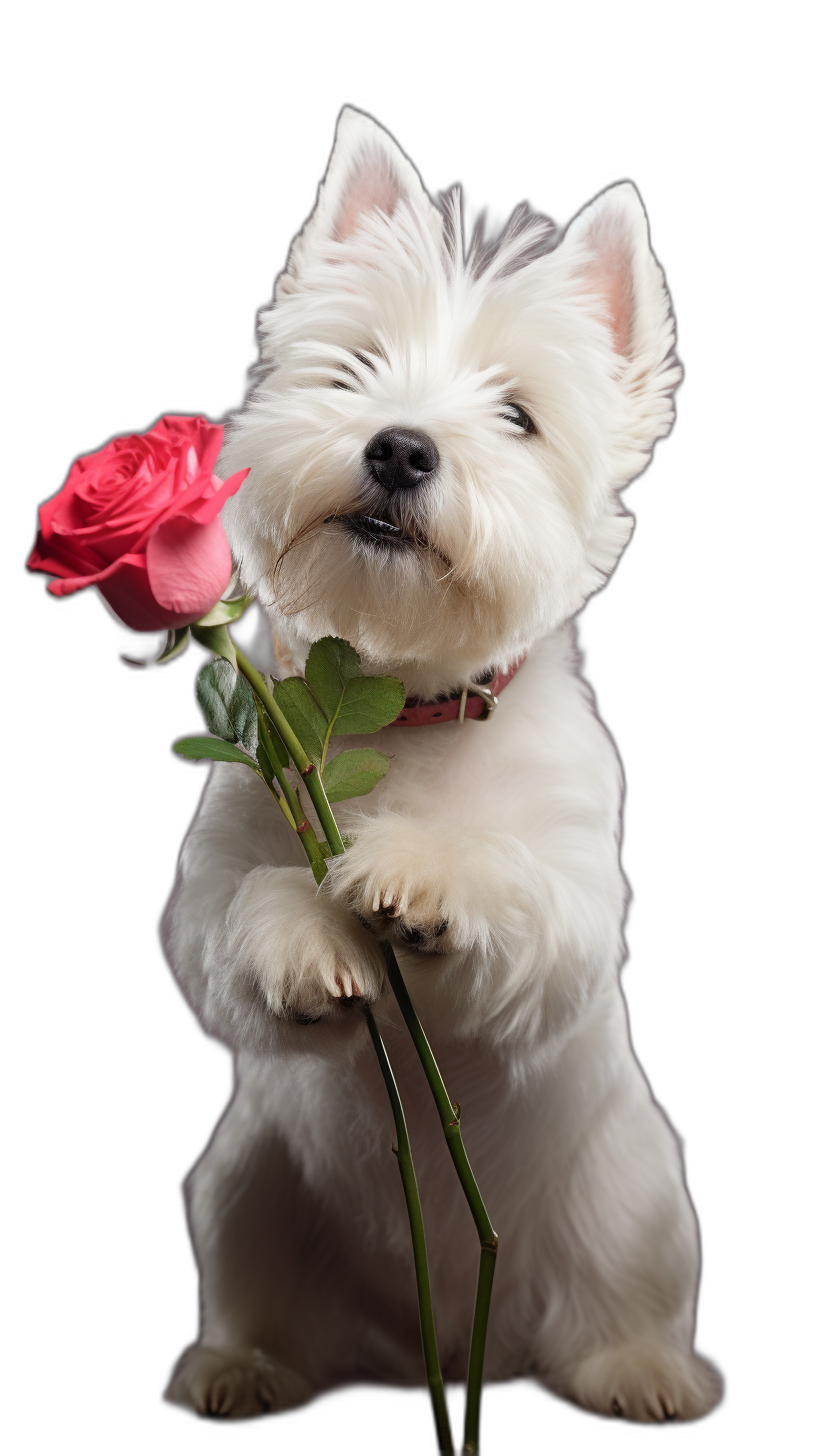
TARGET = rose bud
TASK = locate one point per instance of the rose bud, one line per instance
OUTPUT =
(140, 519)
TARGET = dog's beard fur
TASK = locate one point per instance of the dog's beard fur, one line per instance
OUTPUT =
(386, 319)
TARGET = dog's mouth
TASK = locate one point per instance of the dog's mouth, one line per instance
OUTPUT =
(377, 532)
(386, 537)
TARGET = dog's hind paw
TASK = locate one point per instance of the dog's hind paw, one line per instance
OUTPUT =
(644, 1382)
(234, 1384)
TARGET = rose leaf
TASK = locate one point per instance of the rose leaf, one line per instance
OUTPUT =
(215, 748)
(304, 715)
(228, 704)
(330, 665)
(368, 704)
(348, 775)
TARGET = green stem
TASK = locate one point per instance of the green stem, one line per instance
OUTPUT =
(478, 1336)
(404, 1158)
(449, 1115)
(293, 808)
(308, 771)
(409, 1183)
(268, 776)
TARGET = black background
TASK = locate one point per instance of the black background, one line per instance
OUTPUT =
(158, 222)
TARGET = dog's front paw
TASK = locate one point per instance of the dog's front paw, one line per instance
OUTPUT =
(308, 957)
(428, 888)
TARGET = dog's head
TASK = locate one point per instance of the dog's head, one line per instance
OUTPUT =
(441, 430)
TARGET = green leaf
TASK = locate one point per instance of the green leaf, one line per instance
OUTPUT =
(369, 703)
(350, 702)
(331, 663)
(336, 698)
(228, 704)
(214, 748)
(304, 715)
(177, 639)
(217, 639)
(351, 774)
(225, 611)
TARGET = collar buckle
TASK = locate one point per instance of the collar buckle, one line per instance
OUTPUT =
(489, 700)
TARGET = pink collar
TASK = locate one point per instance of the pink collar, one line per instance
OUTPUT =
(477, 702)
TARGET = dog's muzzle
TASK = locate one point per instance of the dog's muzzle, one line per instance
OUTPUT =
(399, 462)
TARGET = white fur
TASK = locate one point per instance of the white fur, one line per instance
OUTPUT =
(495, 845)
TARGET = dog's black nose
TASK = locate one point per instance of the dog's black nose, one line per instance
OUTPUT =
(401, 459)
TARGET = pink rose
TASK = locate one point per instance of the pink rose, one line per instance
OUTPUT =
(140, 520)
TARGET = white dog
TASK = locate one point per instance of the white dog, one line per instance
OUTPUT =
(437, 441)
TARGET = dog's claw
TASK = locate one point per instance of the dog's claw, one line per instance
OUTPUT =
(345, 986)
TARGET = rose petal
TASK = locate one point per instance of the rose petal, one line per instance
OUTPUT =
(179, 431)
(127, 591)
(63, 559)
(212, 504)
(49, 508)
(189, 565)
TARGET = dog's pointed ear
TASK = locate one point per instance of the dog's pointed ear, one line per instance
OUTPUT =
(620, 269)
(615, 265)
(368, 174)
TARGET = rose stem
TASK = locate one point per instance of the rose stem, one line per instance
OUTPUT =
(300, 758)
(450, 1117)
(290, 805)
(404, 1158)
(409, 1183)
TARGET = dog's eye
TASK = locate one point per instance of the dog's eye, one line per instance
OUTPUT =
(354, 378)
(517, 416)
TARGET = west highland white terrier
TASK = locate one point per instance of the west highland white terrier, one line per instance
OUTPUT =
(437, 437)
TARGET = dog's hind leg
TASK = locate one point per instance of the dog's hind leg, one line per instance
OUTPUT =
(271, 1323)
(620, 1241)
